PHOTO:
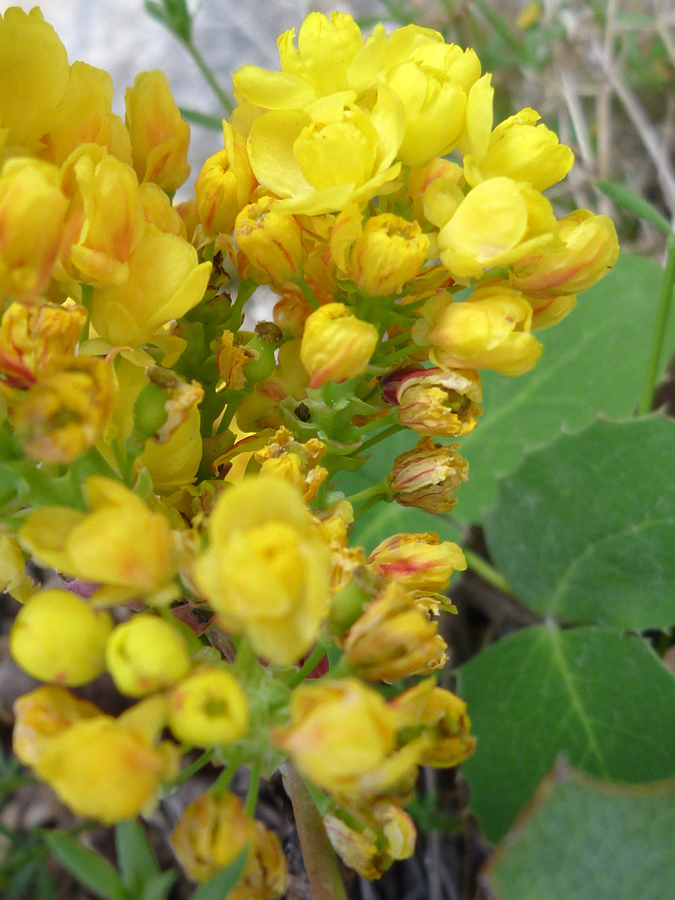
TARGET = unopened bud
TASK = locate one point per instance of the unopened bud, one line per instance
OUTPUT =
(336, 345)
(428, 476)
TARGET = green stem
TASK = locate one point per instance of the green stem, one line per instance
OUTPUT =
(223, 781)
(307, 292)
(373, 491)
(253, 788)
(209, 77)
(308, 666)
(382, 436)
(395, 357)
(654, 364)
(186, 773)
(322, 867)
(367, 505)
(486, 571)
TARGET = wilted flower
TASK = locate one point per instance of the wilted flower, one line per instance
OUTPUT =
(428, 476)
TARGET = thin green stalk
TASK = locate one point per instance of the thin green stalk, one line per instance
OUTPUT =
(486, 571)
(209, 77)
(367, 505)
(186, 773)
(654, 364)
(308, 666)
(374, 491)
(307, 292)
(223, 781)
(253, 788)
(382, 436)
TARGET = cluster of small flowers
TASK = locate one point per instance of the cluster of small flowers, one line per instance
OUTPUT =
(178, 472)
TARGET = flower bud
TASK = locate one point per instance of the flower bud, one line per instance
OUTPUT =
(14, 579)
(336, 345)
(43, 713)
(146, 654)
(419, 562)
(32, 214)
(272, 242)
(381, 256)
(383, 833)
(435, 402)
(393, 639)
(159, 136)
(208, 707)
(428, 476)
(224, 184)
(66, 412)
(58, 637)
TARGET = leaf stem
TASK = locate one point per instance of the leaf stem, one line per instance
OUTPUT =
(209, 77)
(308, 666)
(381, 436)
(486, 571)
(253, 788)
(654, 364)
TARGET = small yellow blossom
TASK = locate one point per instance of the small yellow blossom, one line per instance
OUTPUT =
(272, 242)
(266, 570)
(119, 542)
(146, 654)
(336, 345)
(293, 461)
(343, 737)
(32, 215)
(489, 331)
(43, 713)
(435, 402)
(383, 833)
(67, 410)
(381, 256)
(224, 185)
(14, 579)
(58, 637)
(208, 707)
(33, 76)
(159, 136)
(420, 562)
(428, 476)
(34, 339)
(158, 210)
(165, 281)
(394, 639)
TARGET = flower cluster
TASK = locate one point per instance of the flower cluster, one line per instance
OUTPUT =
(179, 473)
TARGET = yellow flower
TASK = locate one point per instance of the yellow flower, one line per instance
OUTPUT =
(343, 737)
(34, 339)
(589, 249)
(66, 411)
(165, 281)
(104, 768)
(212, 832)
(83, 115)
(428, 476)
(293, 461)
(435, 402)
(119, 542)
(499, 222)
(32, 214)
(58, 637)
(380, 256)
(105, 220)
(266, 570)
(224, 185)
(420, 562)
(394, 639)
(158, 210)
(43, 713)
(272, 242)
(522, 150)
(146, 654)
(489, 331)
(383, 833)
(33, 76)
(336, 345)
(208, 707)
(14, 579)
(159, 136)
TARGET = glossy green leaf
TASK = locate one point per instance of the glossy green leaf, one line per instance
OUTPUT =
(585, 838)
(218, 887)
(158, 887)
(86, 866)
(602, 699)
(584, 530)
(594, 361)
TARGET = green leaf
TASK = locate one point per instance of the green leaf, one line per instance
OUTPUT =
(87, 866)
(218, 887)
(602, 699)
(157, 887)
(588, 838)
(195, 117)
(585, 529)
(595, 360)
(135, 858)
(636, 204)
